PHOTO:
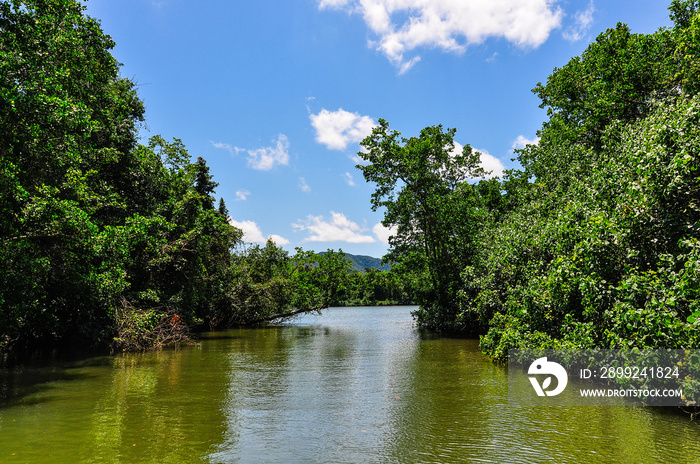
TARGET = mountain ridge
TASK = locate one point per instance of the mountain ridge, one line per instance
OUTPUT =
(362, 262)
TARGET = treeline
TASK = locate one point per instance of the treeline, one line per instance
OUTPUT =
(108, 242)
(270, 282)
(594, 242)
(373, 287)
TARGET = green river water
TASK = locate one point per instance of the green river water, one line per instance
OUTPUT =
(353, 385)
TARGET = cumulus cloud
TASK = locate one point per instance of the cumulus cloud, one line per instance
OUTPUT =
(402, 26)
(337, 129)
(488, 161)
(348, 179)
(491, 163)
(253, 234)
(242, 195)
(583, 20)
(338, 229)
(522, 142)
(383, 233)
(303, 185)
(266, 158)
(278, 239)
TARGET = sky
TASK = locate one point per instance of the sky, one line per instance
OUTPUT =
(277, 94)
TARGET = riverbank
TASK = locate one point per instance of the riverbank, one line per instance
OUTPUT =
(351, 385)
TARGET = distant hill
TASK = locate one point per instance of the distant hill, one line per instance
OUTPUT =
(360, 262)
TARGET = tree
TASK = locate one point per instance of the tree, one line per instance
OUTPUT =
(420, 181)
(222, 209)
(102, 240)
(616, 78)
(66, 146)
(203, 183)
(682, 11)
(601, 250)
(319, 279)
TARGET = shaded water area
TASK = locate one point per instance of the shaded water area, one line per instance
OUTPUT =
(353, 385)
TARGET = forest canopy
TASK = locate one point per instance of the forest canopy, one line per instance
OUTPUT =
(105, 241)
(594, 242)
(109, 241)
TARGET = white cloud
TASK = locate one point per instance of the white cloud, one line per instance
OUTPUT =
(253, 234)
(402, 26)
(242, 195)
(348, 179)
(338, 229)
(264, 158)
(583, 22)
(357, 160)
(488, 161)
(383, 233)
(303, 185)
(522, 142)
(332, 3)
(251, 231)
(491, 163)
(404, 66)
(337, 129)
(278, 239)
(223, 146)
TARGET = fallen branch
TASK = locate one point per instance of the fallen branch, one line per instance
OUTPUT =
(287, 314)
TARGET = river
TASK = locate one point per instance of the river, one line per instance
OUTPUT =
(353, 385)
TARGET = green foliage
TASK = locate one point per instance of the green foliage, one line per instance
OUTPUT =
(104, 241)
(376, 288)
(602, 251)
(420, 182)
(269, 284)
(612, 262)
(595, 243)
(682, 11)
(68, 129)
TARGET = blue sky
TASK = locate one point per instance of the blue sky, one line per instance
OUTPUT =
(276, 94)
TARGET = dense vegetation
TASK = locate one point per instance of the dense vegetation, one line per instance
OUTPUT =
(108, 242)
(595, 241)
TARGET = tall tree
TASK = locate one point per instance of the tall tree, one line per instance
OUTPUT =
(204, 185)
(68, 130)
(602, 248)
(420, 182)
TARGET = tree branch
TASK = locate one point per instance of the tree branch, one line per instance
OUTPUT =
(286, 315)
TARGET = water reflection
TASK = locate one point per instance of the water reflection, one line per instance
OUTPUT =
(356, 389)
(354, 385)
(326, 396)
(135, 408)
